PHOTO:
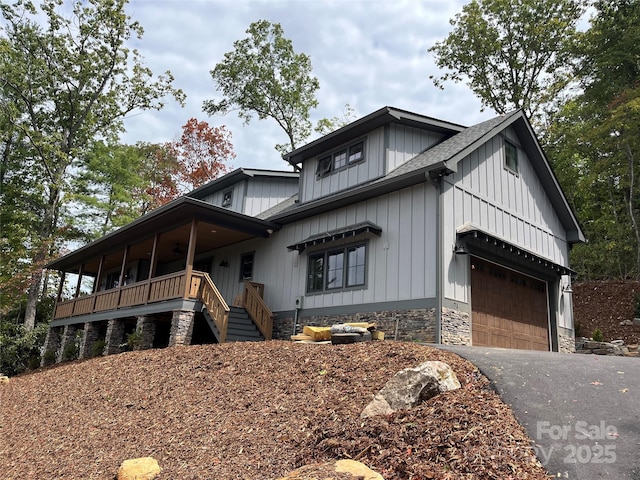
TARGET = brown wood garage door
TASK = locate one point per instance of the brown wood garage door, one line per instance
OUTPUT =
(509, 309)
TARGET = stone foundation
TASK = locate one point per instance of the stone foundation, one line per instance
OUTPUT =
(566, 343)
(455, 327)
(68, 346)
(405, 325)
(146, 328)
(51, 348)
(89, 338)
(114, 339)
(181, 328)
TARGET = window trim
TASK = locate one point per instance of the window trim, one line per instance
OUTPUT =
(324, 254)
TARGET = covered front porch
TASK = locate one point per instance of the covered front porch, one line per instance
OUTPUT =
(160, 264)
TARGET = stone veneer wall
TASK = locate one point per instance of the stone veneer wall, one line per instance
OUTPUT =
(146, 327)
(114, 339)
(51, 343)
(406, 325)
(566, 343)
(181, 327)
(90, 336)
(455, 327)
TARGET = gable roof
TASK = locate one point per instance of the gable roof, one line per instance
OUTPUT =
(442, 159)
(236, 176)
(366, 124)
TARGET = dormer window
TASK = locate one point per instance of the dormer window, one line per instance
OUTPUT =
(324, 166)
(227, 198)
(356, 152)
(340, 159)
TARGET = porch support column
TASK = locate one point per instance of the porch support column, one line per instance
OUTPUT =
(61, 286)
(114, 337)
(191, 253)
(181, 327)
(154, 256)
(125, 259)
(146, 327)
(89, 338)
(51, 346)
(96, 285)
(80, 271)
(68, 349)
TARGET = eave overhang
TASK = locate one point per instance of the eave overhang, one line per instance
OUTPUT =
(474, 236)
(338, 234)
(176, 213)
(237, 176)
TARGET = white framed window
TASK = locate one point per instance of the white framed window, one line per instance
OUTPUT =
(340, 159)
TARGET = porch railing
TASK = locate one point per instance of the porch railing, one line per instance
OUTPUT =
(212, 299)
(257, 308)
(171, 287)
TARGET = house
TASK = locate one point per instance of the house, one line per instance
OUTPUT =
(434, 231)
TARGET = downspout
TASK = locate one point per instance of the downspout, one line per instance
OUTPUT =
(436, 181)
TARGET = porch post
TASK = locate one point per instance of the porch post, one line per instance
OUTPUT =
(191, 253)
(80, 270)
(60, 286)
(124, 266)
(96, 285)
(154, 256)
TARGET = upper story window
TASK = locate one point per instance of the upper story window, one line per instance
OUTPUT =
(340, 159)
(511, 156)
(337, 269)
(227, 198)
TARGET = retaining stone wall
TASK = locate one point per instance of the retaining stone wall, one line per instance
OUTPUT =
(455, 327)
(181, 327)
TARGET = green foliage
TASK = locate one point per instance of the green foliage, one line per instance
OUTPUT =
(513, 54)
(134, 340)
(636, 305)
(20, 348)
(328, 125)
(597, 335)
(49, 358)
(263, 75)
(97, 348)
(70, 352)
(64, 82)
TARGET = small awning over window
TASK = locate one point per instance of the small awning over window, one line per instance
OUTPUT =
(346, 232)
(475, 237)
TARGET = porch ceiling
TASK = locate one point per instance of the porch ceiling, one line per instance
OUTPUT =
(217, 227)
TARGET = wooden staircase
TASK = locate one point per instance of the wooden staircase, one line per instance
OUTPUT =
(251, 323)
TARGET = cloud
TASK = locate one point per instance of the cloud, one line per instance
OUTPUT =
(368, 53)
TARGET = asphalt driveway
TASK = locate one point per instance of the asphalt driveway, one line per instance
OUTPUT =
(582, 412)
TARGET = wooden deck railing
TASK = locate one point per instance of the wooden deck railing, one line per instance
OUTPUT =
(170, 287)
(257, 309)
(158, 289)
(213, 301)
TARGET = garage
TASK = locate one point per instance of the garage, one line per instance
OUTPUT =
(509, 309)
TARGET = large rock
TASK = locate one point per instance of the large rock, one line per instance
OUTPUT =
(348, 469)
(145, 468)
(412, 386)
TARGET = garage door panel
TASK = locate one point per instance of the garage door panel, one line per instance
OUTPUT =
(509, 309)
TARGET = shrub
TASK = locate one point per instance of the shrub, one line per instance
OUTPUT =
(97, 348)
(49, 357)
(597, 335)
(636, 305)
(20, 348)
(70, 352)
(134, 340)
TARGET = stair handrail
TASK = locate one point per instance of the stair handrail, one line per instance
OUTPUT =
(216, 306)
(257, 309)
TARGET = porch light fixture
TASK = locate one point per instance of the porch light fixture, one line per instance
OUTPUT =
(177, 250)
(567, 289)
(224, 263)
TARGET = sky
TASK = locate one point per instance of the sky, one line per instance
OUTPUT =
(365, 53)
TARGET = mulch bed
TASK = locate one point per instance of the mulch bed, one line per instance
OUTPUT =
(249, 411)
(604, 305)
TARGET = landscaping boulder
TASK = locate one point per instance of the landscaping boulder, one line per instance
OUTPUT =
(347, 469)
(145, 468)
(412, 386)
(4, 379)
